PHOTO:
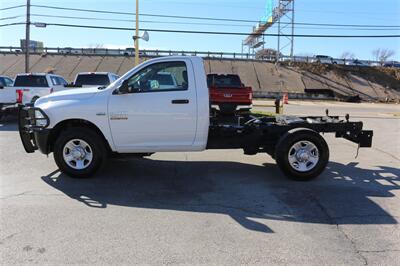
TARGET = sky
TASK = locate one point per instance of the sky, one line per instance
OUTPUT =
(365, 12)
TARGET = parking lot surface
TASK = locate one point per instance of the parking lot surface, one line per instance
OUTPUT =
(213, 207)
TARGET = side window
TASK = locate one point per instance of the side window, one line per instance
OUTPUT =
(54, 80)
(62, 81)
(9, 82)
(3, 82)
(160, 77)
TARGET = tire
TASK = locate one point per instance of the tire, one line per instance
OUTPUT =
(302, 154)
(93, 147)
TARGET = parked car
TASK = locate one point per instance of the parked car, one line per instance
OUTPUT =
(31, 86)
(134, 115)
(7, 93)
(392, 64)
(323, 59)
(131, 51)
(70, 50)
(228, 94)
(93, 79)
(356, 62)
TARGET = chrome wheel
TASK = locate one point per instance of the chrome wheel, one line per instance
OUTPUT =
(77, 154)
(303, 156)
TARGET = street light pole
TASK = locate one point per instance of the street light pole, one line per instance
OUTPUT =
(27, 34)
(137, 35)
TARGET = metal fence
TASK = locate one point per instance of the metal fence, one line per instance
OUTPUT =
(216, 55)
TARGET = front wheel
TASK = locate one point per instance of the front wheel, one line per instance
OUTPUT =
(302, 154)
(79, 152)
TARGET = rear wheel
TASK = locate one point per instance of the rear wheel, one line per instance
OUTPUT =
(79, 152)
(302, 154)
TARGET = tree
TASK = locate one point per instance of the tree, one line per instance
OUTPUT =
(95, 46)
(382, 55)
(347, 55)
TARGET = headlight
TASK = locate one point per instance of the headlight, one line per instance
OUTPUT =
(41, 120)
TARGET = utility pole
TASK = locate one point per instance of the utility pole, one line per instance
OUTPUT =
(137, 35)
(292, 38)
(279, 33)
(27, 34)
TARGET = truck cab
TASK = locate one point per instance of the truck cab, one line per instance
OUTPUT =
(141, 112)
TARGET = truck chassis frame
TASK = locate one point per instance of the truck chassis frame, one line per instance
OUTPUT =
(251, 133)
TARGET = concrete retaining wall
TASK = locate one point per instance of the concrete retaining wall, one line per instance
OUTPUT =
(266, 79)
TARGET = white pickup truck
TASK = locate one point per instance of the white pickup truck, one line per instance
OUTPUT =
(136, 115)
(94, 79)
(29, 87)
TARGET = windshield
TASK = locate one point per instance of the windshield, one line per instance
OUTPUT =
(31, 81)
(92, 79)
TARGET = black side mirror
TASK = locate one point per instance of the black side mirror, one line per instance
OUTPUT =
(1, 87)
(124, 88)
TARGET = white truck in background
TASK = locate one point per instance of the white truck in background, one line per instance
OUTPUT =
(93, 79)
(29, 87)
(138, 115)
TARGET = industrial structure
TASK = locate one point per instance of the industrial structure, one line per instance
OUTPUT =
(281, 14)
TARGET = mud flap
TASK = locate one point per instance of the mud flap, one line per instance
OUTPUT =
(363, 138)
(27, 136)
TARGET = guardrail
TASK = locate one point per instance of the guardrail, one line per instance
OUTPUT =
(157, 53)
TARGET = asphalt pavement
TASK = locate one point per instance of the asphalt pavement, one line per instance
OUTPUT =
(214, 207)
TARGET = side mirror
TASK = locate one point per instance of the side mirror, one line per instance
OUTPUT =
(1, 87)
(123, 89)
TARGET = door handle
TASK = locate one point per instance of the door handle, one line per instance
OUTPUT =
(180, 101)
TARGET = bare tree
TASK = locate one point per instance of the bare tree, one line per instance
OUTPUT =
(382, 55)
(96, 46)
(347, 55)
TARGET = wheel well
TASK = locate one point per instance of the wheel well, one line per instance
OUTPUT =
(56, 131)
(272, 149)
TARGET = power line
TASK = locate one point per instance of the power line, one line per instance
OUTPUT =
(11, 7)
(208, 18)
(14, 17)
(191, 23)
(216, 33)
(144, 21)
(221, 32)
(12, 24)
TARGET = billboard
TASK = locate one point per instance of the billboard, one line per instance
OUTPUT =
(34, 46)
(269, 9)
